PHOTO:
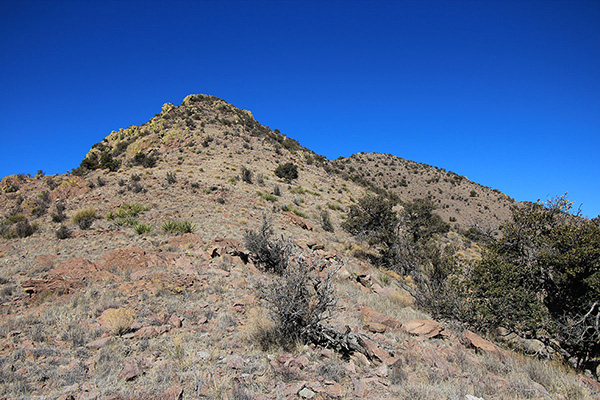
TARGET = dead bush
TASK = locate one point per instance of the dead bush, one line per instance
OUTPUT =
(269, 254)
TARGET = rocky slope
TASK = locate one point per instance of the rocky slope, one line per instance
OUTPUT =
(126, 309)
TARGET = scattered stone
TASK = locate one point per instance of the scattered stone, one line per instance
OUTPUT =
(333, 389)
(294, 388)
(370, 315)
(175, 392)
(130, 371)
(306, 393)
(424, 327)
(375, 327)
(480, 344)
(175, 321)
(382, 371)
(235, 362)
(98, 343)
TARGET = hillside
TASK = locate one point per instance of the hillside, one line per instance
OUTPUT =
(462, 203)
(131, 277)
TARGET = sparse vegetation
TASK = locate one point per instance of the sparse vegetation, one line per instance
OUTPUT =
(287, 172)
(63, 232)
(174, 226)
(119, 320)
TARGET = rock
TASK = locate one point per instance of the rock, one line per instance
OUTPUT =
(296, 220)
(382, 371)
(370, 315)
(130, 371)
(375, 352)
(52, 284)
(375, 327)
(98, 343)
(333, 389)
(424, 327)
(174, 321)
(294, 389)
(306, 393)
(235, 362)
(479, 343)
(359, 387)
(469, 397)
(175, 392)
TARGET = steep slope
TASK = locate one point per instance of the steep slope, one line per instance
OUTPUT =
(102, 296)
(462, 203)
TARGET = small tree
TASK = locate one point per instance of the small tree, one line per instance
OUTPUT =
(287, 171)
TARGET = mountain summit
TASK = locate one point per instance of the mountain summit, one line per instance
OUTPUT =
(204, 255)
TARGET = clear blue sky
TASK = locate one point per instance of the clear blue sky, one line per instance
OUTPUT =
(506, 93)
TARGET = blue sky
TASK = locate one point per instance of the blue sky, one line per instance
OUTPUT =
(506, 93)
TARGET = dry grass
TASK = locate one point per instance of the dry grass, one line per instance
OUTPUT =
(119, 320)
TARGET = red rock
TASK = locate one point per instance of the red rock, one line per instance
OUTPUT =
(130, 371)
(296, 220)
(175, 392)
(147, 332)
(425, 327)
(333, 389)
(294, 388)
(175, 321)
(369, 315)
(479, 343)
(375, 352)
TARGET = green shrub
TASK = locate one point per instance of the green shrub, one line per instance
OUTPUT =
(543, 274)
(267, 196)
(84, 218)
(179, 226)
(127, 210)
(20, 228)
(287, 171)
(141, 229)
(291, 208)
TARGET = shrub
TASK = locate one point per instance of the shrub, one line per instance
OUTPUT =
(326, 221)
(246, 175)
(179, 226)
(127, 210)
(267, 253)
(171, 178)
(374, 219)
(63, 233)
(141, 229)
(145, 160)
(543, 274)
(108, 162)
(84, 218)
(277, 190)
(287, 171)
(59, 215)
(119, 320)
(21, 228)
(299, 301)
(267, 196)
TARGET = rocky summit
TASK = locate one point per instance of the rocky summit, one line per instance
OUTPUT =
(203, 255)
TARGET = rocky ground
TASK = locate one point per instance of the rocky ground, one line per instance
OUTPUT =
(112, 312)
